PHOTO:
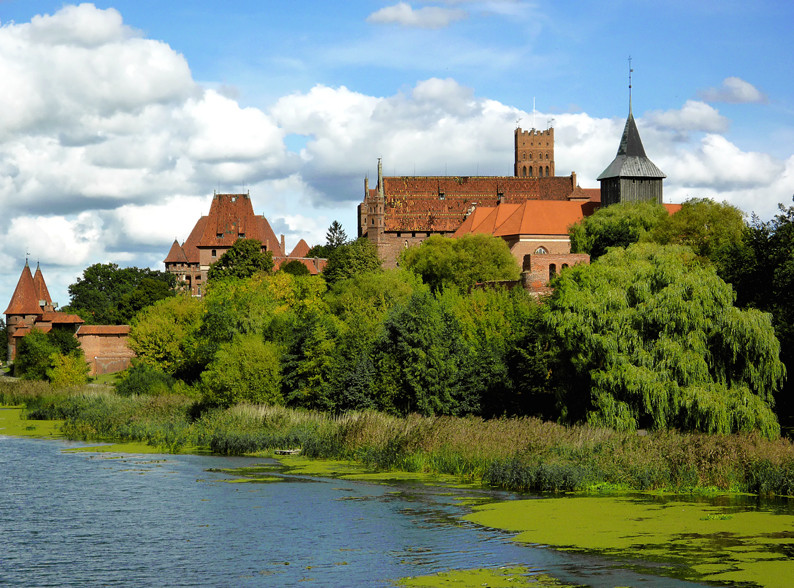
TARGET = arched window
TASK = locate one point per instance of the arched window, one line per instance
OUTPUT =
(552, 270)
(541, 250)
(524, 172)
(540, 171)
(547, 171)
(530, 171)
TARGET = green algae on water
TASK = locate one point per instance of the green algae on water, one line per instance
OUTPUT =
(691, 540)
(493, 578)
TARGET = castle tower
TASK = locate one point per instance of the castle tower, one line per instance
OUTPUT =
(24, 308)
(534, 153)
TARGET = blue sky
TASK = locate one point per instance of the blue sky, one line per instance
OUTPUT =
(119, 119)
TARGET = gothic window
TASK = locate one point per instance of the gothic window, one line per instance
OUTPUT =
(547, 171)
(530, 171)
(525, 156)
(524, 172)
(541, 251)
(552, 270)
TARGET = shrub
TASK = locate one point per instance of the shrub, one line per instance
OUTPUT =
(144, 379)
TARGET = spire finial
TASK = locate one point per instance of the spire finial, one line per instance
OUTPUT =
(630, 72)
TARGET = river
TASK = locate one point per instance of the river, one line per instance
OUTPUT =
(90, 519)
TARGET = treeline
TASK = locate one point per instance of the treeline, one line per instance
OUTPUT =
(646, 337)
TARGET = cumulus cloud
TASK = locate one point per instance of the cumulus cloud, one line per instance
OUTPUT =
(693, 116)
(733, 90)
(429, 17)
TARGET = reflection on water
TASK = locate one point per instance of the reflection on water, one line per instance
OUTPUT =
(76, 519)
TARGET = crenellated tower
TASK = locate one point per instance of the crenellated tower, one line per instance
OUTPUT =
(534, 153)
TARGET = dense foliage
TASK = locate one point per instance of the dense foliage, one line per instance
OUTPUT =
(443, 262)
(55, 356)
(242, 260)
(761, 270)
(351, 259)
(618, 225)
(109, 295)
(649, 338)
(334, 237)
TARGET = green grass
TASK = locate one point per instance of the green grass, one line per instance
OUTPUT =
(523, 454)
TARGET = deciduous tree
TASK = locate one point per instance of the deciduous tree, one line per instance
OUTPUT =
(648, 337)
(242, 260)
(618, 225)
(351, 259)
(443, 262)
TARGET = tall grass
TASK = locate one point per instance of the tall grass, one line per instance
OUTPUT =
(523, 454)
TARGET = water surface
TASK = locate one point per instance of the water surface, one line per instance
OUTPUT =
(77, 519)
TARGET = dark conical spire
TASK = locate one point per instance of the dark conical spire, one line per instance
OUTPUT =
(630, 142)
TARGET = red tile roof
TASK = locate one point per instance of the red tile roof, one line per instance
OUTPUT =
(231, 217)
(533, 217)
(103, 330)
(60, 318)
(25, 299)
(41, 287)
(438, 203)
(301, 249)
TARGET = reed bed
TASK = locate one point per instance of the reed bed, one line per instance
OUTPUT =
(522, 454)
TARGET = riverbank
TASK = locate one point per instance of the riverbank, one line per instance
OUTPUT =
(523, 454)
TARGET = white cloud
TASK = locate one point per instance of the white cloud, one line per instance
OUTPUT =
(56, 239)
(693, 116)
(429, 17)
(733, 90)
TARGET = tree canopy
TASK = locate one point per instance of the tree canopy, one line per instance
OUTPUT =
(648, 337)
(242, 260)
(618, 225)
(109, 295)
(711, 229)
(351, 259)
(444, 262)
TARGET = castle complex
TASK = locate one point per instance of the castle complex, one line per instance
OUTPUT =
(531, 210)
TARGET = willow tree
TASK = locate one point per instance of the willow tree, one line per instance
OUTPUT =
(649, 338)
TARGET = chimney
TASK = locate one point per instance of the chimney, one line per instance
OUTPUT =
(283, 246)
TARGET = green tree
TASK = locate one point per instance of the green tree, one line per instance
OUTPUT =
(110, 295)
(294, 267)
(648, 337)
(34, 353)
(143, 378)
(245, 370)
(242, 260)
(350, 259)
(761, 269)
(618, 225)
(421, 359)
(711, 229)
(164, 335)
(443, 262)
(68, 370)
(334, 237)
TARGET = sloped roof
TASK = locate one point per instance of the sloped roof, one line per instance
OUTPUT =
(103, 330)
(41, 286)
(176, 254)
(301, 249)
(25, 299)
(315, 266)
(60, 318)
(533, 217)
(631, 161)
(231, 217)
(442, 203)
